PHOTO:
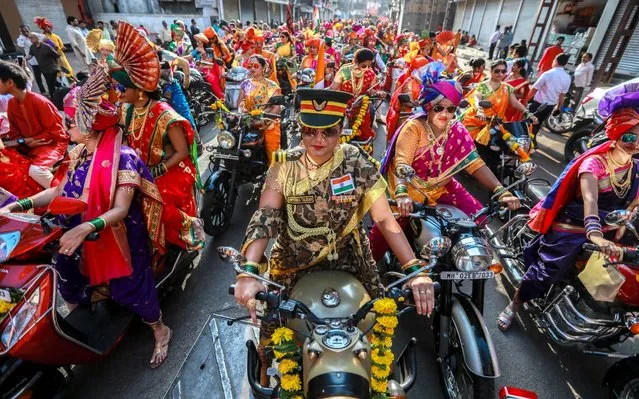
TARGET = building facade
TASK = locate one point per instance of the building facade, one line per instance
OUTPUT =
(428, 15)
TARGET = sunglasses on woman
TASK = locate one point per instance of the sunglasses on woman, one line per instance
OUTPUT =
(254, 66)
(69, 123)
(629, 138)
(119, 87)
(326, 133)
(451, 109)
(500, 71)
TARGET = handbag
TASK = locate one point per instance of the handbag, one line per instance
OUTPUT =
(603, 283)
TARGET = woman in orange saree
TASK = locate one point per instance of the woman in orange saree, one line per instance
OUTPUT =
(159, 135)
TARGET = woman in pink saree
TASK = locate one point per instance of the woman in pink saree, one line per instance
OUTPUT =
(434, 147)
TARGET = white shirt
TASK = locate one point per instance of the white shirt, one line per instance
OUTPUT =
(551, 85)
(495, 37)
(165, 35)
(583, 74)
(25, 44)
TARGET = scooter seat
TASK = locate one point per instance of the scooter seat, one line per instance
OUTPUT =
(537, 190)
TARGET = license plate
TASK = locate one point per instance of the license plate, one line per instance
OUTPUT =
(467, 275)
(231, 157)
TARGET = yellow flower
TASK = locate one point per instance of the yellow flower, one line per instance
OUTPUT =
(379, 373)
(385, 359)
(381, 341)
(278, 355)
(382, 330)
(282, 334)
(256, 112)
(390, 322)
(287, 365)
(214, 106)
(291, 382)
(379, 386)
(506, 136)
(5, 307)
(385, 306)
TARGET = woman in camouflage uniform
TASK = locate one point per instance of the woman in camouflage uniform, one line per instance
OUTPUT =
(314, 199)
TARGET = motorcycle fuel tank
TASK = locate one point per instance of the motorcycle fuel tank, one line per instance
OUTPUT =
(426, 228)
(629, 291)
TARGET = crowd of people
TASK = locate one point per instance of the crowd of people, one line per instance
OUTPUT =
(134, 159)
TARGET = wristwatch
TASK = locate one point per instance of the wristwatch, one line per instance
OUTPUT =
(21, 141)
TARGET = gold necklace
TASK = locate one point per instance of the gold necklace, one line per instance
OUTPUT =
(621, 186)
(440, 149)
(133, 134)
(357, 87)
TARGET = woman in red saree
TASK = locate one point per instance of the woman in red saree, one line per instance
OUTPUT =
(519, 81)
(159, 135)
(410, 86)
(358, 78)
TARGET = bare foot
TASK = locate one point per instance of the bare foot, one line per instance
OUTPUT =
(162, 335)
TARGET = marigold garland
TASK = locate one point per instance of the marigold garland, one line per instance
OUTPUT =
(360, 115)
(287, 353)
(515, 147)
(381, 342)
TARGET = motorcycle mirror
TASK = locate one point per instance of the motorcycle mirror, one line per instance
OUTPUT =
(65, 206)
(464, 104)
(404, 98)
(276, 100)
(436, 247)
(619, 218)
(485, 104)
(525, 169)
(229, 254)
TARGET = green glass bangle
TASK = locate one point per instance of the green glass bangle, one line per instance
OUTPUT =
(25, 204)
(98, 224)
(252, 269)
(412, 269)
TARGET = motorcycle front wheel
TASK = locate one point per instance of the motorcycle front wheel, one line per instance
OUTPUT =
(626, 387)
(577, 143)
(459, 382)
(561, 123)
(217, 208)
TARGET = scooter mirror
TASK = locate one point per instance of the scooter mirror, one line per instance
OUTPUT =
(66, 206)
(525, 169)
(229, 254)
(485, 104)
(619, 218)
(464, 104)
(437, 247)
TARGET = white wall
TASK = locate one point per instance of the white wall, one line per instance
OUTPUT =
(153, 22)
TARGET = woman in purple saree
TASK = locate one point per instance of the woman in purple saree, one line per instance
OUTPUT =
(435, 147)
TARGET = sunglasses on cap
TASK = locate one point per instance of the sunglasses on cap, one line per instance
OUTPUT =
(326, 133)
(119, 87)
(629, 138)
(502, 71)
(451, 109)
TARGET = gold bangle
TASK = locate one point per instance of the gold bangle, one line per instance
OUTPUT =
(412, 263)
(243, 275)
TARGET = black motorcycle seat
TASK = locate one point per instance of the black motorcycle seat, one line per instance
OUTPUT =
(537, 190)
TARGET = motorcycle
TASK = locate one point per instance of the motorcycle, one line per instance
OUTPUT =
(465, 353)
(330, 313)
(234, 79)
(305, 78)
(37, 320)
(570, 316)
(237, 157)
(290, 128)
(586, 122)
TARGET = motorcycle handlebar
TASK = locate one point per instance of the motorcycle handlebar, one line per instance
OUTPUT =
(630, 255)
(417, 206)
(268, 115)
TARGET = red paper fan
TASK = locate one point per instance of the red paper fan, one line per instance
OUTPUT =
(444, 37)
(138, 57)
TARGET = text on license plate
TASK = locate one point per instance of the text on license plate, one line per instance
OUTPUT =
(466, 275)
(226, 156)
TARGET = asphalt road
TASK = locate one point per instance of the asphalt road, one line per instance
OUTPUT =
(526, 358)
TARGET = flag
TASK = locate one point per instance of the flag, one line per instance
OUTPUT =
(319, 69)
(289, 19)
(316, 19)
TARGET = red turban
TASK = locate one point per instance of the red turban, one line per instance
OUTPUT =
(43, 23)
(620, 122)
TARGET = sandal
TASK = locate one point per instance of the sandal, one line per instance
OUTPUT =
(506, 318)
(161, 349)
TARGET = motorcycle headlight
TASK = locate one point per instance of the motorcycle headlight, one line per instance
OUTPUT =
(472, 254)
(525, 143)
(21, 319)
(225, 140)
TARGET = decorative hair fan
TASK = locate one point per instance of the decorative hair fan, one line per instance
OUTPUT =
(138, 57)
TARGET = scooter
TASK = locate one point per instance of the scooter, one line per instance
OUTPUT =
(40, 338)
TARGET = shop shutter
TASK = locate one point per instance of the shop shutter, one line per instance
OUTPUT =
(462, 7)
(526, 20)
(230, 10)
(477, 19)
(509, 14)
(488, 22)
(616, 20)
(469, 12)
(629, 64)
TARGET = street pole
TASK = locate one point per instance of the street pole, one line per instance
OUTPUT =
(401, 16)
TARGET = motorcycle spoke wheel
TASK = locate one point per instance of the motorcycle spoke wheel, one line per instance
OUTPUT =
(560, 123)
(216, 211)
(457, 379)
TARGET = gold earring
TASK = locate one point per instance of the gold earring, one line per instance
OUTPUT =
(140, 97)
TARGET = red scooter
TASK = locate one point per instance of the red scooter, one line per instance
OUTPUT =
(39, 337)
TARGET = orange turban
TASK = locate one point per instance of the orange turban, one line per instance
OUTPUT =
(620, 122)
